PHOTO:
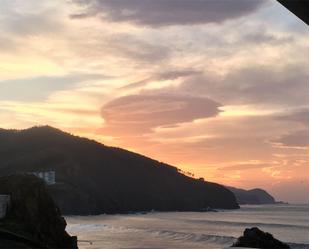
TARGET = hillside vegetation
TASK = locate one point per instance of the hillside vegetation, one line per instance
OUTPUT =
(94, 179)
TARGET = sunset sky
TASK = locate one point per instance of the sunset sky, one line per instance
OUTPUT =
(218, 88)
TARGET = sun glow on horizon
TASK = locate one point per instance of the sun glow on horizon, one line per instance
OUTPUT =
(224, 96)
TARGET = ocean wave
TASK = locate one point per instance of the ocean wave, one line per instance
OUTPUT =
(211, 239)
(193, 237)
(168, 234)
(249, 224)
(298, 246)
(75, 228)
(85, 228)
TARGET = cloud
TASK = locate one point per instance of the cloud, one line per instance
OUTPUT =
(298, 139)
(245, 166)
(167, 75)
(32, 24)
(18, 26)
(127, 49)
(39, 88)
(76, 111)
(261, 36)
(168, 12)
(261, 85)
(131, 46)
(22, 21)
(8, 45)
(140, 113)
(300, 116)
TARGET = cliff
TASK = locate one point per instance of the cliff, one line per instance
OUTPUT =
(32, 220)
(254, 196)
(94, 179)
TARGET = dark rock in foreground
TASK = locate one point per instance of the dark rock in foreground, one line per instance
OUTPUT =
(255, 238)
(32, 219)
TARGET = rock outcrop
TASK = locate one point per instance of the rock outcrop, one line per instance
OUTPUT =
(255, 238)
(32, 220)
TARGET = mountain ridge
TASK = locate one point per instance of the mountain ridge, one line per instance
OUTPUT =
(93, 178)
(256, 196)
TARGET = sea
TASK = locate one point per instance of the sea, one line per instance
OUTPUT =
(190, 230)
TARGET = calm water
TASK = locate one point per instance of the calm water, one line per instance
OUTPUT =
(289, 223)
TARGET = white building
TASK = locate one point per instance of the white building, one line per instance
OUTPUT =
(4, 205)
(48, 176)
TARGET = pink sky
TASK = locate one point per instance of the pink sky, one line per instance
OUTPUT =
(219, 89)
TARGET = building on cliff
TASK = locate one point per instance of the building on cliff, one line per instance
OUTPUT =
(33, 220)
(48, 176)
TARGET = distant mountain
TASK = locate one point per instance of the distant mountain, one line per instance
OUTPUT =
(254, 196)
(93, 179)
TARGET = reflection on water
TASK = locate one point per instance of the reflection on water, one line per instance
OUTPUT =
(183, 230)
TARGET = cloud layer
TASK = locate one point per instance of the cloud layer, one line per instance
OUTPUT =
(141, 113)
(215, 87)
(39, 88)
(299, 139)
(168, 12)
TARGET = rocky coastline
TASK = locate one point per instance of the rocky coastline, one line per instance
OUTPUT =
(256, 238)
(31, 219)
